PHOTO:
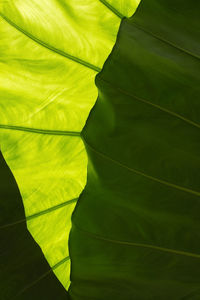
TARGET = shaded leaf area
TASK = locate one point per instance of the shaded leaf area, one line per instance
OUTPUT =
(24, 272)
(136, 228)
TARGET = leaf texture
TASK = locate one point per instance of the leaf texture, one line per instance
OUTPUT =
(136, 229)
(24, 273)
(50, 53)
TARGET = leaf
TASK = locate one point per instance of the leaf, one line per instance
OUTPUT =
(50, 52)
(136, 228)
(24, 273)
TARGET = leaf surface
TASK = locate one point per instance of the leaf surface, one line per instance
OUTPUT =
(50, 53)
(24, 273)
(136, 229)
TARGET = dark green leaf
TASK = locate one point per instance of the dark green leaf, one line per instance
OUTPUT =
(136, 228)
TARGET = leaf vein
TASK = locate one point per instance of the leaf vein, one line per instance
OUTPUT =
(152, 104)
(38, 214)
(165, 41)
(140, 173)
(111, 8)
(141, 245)
(49, 47)
(43, 276)
(40, 131)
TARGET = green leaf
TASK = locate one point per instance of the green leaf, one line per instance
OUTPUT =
(50, 53)
(136, 228)
(24, 273)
